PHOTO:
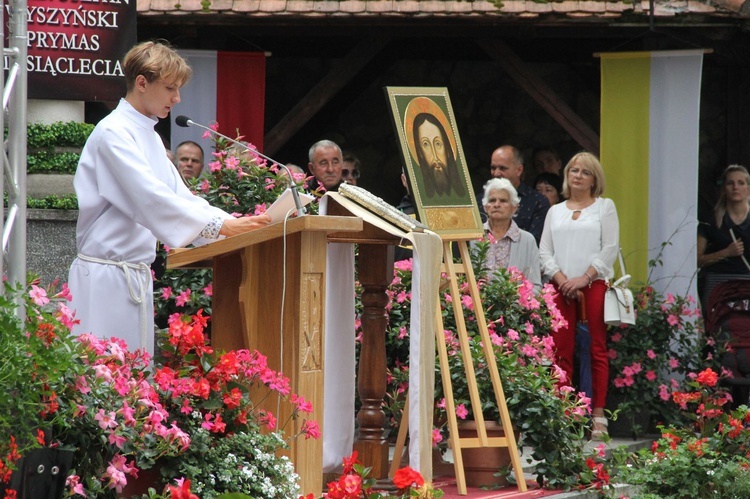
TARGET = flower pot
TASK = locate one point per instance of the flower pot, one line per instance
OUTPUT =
(481, 464)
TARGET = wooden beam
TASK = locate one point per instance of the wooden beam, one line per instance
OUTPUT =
(340, 74)
(586, 137)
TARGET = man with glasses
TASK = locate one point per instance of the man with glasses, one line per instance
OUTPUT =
(507, 162)
(352, 168)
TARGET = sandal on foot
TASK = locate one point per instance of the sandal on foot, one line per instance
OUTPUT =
(601, 432)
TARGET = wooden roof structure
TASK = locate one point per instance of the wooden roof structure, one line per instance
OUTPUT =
(508, 10)
(355, 41)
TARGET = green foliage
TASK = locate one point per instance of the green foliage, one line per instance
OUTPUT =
(49, 161)
(52, 202)
(58, 134)
(707, 458)
(46, 144)
(651, 358)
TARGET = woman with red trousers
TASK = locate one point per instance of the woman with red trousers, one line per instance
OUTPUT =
(579, 245)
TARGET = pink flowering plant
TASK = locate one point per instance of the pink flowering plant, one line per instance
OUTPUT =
(239, 182)
(520, 320)
(38, 355)
(111, 416)
(192, 416)
(649, 360)
(216, 397)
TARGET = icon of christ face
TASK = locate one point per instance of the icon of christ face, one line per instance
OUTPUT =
(432, 145)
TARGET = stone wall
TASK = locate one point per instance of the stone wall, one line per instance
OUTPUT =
(50, 243)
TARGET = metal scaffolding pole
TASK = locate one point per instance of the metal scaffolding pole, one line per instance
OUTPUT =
(14, 150)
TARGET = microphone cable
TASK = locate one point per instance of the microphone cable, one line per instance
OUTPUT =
(283, 304)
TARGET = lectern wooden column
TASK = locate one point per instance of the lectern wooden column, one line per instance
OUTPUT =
(269, 295)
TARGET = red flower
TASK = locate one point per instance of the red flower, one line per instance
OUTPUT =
(335, 491)
(407, 477)
(182, 491)
(46, 332)
(707, 377)
(349, 463)
(40, 437)
(233, 399)
(352, 485)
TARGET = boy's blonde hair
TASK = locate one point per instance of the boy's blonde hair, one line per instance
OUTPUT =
(155, 61)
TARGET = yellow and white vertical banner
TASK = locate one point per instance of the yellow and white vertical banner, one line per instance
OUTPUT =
(650, 109)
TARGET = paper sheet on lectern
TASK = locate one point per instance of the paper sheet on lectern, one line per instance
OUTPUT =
(339, 342)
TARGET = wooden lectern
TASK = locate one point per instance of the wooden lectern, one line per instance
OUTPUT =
(264, 301)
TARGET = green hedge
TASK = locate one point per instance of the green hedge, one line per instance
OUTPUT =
(44, 143)
(60, 134)
(69, 202)
(46, 161)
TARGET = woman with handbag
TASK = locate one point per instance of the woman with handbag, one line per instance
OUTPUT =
(722, 253)
(578, 248)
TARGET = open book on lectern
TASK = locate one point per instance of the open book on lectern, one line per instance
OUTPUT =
(379, 207)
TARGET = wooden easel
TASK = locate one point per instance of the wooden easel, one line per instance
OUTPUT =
(458, 443)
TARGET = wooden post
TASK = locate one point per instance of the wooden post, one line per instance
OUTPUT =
(375, 274)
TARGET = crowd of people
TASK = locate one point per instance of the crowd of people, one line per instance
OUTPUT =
(579, 243)
(577, 233)
(558, 229)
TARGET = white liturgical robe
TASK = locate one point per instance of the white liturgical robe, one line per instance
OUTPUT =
(129, 195)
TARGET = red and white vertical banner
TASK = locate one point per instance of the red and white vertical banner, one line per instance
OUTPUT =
(227, 88)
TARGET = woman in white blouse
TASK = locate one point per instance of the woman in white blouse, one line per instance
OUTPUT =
(509, 245)
(578, 250)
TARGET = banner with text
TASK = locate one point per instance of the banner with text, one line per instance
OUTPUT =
(75, 48)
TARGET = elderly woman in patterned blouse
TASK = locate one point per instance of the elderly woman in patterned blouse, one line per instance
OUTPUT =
(509, 245)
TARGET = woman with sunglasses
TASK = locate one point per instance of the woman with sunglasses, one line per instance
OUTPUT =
(579, 245)
(351, 170)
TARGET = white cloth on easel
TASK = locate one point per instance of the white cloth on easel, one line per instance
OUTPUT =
(339, 369)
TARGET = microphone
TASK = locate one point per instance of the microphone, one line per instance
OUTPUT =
(185, 122)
